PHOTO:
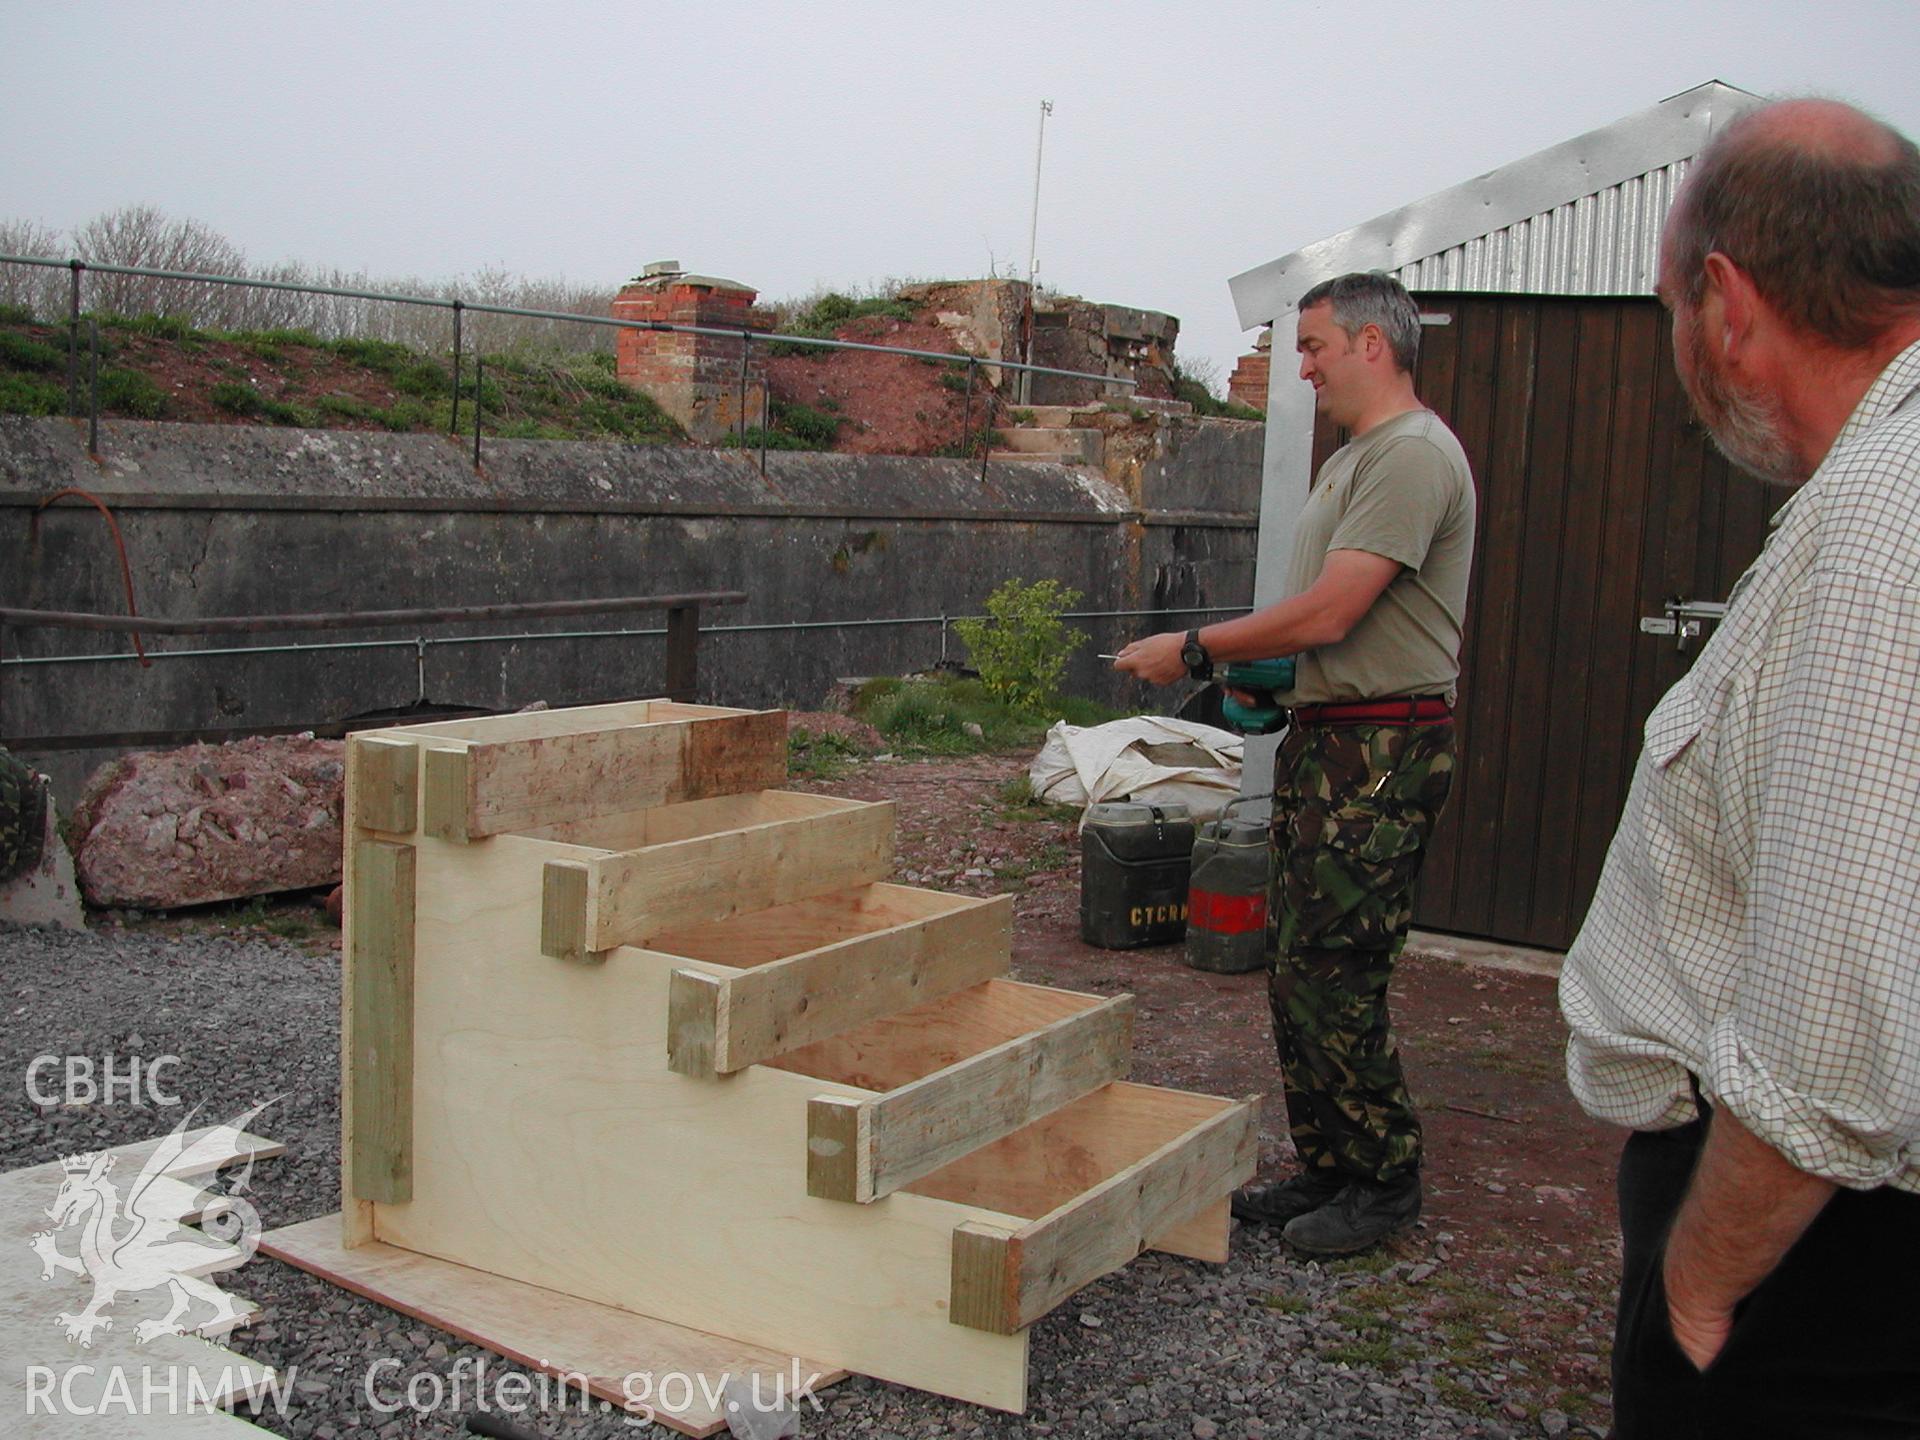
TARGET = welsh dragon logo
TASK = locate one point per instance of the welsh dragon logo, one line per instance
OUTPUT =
(136, 1244)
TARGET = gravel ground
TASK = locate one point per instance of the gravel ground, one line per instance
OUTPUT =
(1265, 1346)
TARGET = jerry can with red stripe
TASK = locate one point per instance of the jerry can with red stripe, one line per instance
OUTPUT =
(1133, 874)
(1227, 898)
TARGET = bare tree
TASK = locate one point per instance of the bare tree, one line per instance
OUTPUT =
(144, 236)
(36, 288)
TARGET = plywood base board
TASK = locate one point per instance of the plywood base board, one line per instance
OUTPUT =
(52, 1387)
(550, 1332)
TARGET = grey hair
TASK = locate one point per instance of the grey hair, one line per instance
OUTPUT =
(1830, 236)
(1372, 297)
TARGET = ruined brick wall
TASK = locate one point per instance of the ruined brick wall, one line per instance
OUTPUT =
(695, 378)
(981, 317)
(1248, 383)
(1074, 334)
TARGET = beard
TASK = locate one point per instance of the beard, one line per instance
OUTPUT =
(1747, 427)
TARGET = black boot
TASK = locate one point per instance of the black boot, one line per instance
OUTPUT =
(1361, 1216)
(1277, 1201)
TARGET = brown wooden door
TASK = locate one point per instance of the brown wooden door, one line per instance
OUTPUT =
(1600, 498)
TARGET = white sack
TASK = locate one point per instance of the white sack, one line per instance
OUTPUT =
(1084, 765)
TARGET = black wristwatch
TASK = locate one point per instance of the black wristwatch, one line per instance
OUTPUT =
(1194, 656)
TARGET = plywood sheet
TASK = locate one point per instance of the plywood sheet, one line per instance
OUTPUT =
(622, 1357)
(36, 1347)
(552, 1145)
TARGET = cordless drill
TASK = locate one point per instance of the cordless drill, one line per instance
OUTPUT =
(1260, 679)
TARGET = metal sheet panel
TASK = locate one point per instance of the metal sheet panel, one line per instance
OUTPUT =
(1602, 244)
(1589, 195)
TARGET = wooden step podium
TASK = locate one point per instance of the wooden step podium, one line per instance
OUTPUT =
(647, 1068)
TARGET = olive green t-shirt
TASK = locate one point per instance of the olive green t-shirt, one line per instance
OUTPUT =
(1402, 491)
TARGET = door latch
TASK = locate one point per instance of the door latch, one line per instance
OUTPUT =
(1682, 619)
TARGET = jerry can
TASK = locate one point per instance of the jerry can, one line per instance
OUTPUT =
(1134, 864)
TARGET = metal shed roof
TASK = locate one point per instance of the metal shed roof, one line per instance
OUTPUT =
(1579, 218)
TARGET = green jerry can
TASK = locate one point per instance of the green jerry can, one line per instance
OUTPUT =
(1134, 863)
(1227, 901)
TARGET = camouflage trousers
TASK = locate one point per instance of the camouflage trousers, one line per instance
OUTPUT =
(1353, 808)
(23, 817)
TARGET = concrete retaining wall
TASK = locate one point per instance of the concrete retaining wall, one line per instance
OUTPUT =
(224, 520)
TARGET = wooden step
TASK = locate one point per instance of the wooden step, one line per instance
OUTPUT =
(1125, 1169)
(948, 1076)
(810, 970)
(516, 773)
(630, 878)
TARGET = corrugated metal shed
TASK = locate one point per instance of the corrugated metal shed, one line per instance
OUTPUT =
(1579, 218)
(1604, 244)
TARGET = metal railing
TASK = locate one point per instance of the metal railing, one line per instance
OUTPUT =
(421, 644)
(682, 634)
(747, 337)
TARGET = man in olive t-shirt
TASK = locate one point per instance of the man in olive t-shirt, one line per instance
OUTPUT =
(1377, 591)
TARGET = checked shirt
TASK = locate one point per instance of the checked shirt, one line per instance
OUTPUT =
(1758, 919)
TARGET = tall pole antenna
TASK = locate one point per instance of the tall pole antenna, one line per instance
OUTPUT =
(1033, 262)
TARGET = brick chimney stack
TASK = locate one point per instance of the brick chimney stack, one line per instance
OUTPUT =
(695, 378)
(1248, 385)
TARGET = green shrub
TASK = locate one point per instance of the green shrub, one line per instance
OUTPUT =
(794, 427)
(158, 327)
(263, 340)
(22, 352)
(923, 714)
(1021, 650)
(16, 315)
(24, 395)
(630, 416)
(829, 313)
(382, 355)
(348, 408)
(128, 392)
(816, 427)
(757, 439)
(820, 757)
(492, 398)
(405, 415)
(236, 398)
(1196, 392)
(523, 430)
(278, 412)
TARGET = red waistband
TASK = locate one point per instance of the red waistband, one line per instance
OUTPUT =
(1401, 710)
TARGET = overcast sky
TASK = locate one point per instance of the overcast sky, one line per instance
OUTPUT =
(791, 146)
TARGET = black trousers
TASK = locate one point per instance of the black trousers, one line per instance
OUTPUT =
(1828, 1345)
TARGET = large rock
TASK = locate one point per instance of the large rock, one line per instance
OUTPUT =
(164, 828)
(37, 885)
